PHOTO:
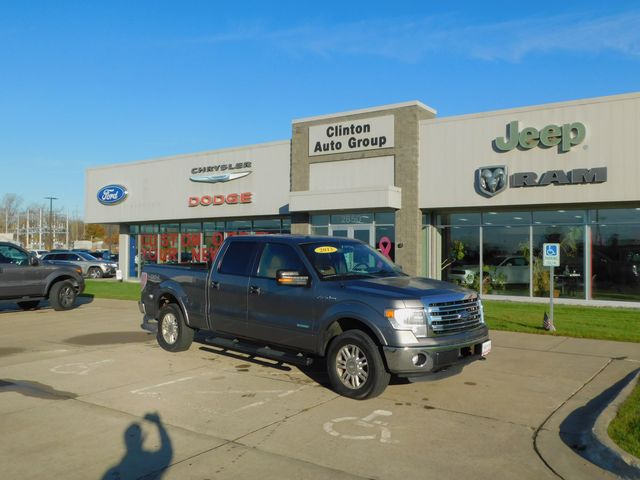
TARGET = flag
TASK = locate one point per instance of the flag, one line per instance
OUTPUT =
(547, 323)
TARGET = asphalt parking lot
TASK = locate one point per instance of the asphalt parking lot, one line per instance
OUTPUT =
(86, 394)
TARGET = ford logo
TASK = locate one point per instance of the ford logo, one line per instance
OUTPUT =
(112, 194)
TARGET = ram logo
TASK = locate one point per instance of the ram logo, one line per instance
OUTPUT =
(491, 180)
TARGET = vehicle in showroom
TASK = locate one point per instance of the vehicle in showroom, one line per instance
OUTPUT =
(513, 269)
(26, 280)
(301, 299)
(90, 265)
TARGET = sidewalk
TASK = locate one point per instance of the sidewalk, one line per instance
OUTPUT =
(573, 441)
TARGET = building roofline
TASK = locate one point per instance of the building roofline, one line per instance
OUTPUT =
(412, 103)
(532, 108)
(194, 154)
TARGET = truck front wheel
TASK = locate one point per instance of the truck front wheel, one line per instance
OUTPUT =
(174, 335)
(62, 295)
(355, 366)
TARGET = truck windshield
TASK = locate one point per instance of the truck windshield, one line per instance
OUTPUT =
(336, 260)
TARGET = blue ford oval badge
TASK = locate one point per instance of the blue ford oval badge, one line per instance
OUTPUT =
(112, 194)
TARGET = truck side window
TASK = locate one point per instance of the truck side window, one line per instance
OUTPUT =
(277, 256)
(13, 255)
(238, 259)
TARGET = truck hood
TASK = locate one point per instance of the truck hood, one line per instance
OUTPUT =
(409, 288)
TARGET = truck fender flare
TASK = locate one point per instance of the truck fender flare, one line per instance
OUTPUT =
(55, 277)
(360, 313)
(177, 293)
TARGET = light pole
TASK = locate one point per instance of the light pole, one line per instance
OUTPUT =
(51, 199)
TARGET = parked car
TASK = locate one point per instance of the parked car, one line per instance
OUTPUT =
(90, 265)
(511, 269)
(463, 274)
(26, 280)
(298, 298)
(40, 253)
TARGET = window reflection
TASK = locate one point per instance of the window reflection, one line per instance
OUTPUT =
(569, 276)
(461, 255)
(506, 260)
(615, 262)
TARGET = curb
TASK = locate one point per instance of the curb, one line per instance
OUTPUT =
(605, 418)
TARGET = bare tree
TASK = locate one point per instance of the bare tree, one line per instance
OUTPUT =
(10, 206)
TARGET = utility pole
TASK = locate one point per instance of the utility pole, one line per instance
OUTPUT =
(51, 199)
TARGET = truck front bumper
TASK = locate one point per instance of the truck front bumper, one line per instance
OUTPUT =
(423, 360)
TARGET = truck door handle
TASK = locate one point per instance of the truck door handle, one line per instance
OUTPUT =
(215, 285)
(253, 290)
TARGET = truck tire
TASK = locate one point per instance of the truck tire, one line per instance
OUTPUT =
(28, 304)
(173, 335)
(62, 295)
(95, 272)
(355, 366)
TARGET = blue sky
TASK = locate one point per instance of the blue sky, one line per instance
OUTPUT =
(87, 83)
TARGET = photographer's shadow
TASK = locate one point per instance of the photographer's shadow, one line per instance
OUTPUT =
(138, 462)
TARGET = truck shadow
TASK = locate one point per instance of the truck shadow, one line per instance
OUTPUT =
(316, 372)
(42, 306)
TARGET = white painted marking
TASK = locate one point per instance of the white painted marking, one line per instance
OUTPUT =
(144, 391)
(262, 402)
(239, 392)
(366, 422)
(79, 368)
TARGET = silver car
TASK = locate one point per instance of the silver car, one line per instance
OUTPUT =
(91, 266)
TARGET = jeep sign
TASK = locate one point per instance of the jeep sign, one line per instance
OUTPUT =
(565, 137)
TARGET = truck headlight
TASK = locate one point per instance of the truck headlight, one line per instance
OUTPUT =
(408, 319)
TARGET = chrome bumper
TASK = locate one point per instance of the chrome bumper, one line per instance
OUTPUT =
(431, 359)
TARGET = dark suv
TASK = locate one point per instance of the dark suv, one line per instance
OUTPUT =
(25, 280)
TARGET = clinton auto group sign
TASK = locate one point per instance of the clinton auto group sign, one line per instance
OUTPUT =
(354, 136)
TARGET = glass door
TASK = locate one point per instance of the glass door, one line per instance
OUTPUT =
(363, 233)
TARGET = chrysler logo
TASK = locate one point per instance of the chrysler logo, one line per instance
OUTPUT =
(491, 180)
(218, 177)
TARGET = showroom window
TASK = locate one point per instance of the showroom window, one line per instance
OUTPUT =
(502, 251)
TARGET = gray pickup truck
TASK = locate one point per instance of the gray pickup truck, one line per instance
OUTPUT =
(298, 298)
(26, 280)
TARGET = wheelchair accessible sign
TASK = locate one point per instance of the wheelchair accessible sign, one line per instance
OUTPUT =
(551, 255)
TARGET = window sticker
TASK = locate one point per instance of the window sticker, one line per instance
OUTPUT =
(326, 249)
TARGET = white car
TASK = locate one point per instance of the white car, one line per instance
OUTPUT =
(513, 269)
(463, 274)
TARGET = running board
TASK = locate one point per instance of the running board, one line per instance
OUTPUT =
(265, 352)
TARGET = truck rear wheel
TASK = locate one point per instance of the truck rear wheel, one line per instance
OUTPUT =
(173, 335)
(62, 295)
(355, 366)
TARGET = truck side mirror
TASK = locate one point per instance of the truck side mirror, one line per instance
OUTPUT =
(33, 260)
(292, 278)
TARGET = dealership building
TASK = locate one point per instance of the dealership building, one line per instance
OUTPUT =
(470, 198)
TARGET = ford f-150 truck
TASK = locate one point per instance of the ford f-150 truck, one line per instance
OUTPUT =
(26, 280)
(298, 298)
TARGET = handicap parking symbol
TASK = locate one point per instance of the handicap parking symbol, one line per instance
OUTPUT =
(552, 250)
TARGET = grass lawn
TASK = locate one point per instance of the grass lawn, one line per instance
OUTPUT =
(603, 323)
(625, 428)
(111, 289)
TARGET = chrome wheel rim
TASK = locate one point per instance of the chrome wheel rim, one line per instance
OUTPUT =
(170, 328)
(352, 366)
(67, 296)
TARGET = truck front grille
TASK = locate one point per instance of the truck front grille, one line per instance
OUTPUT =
(454, 317)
